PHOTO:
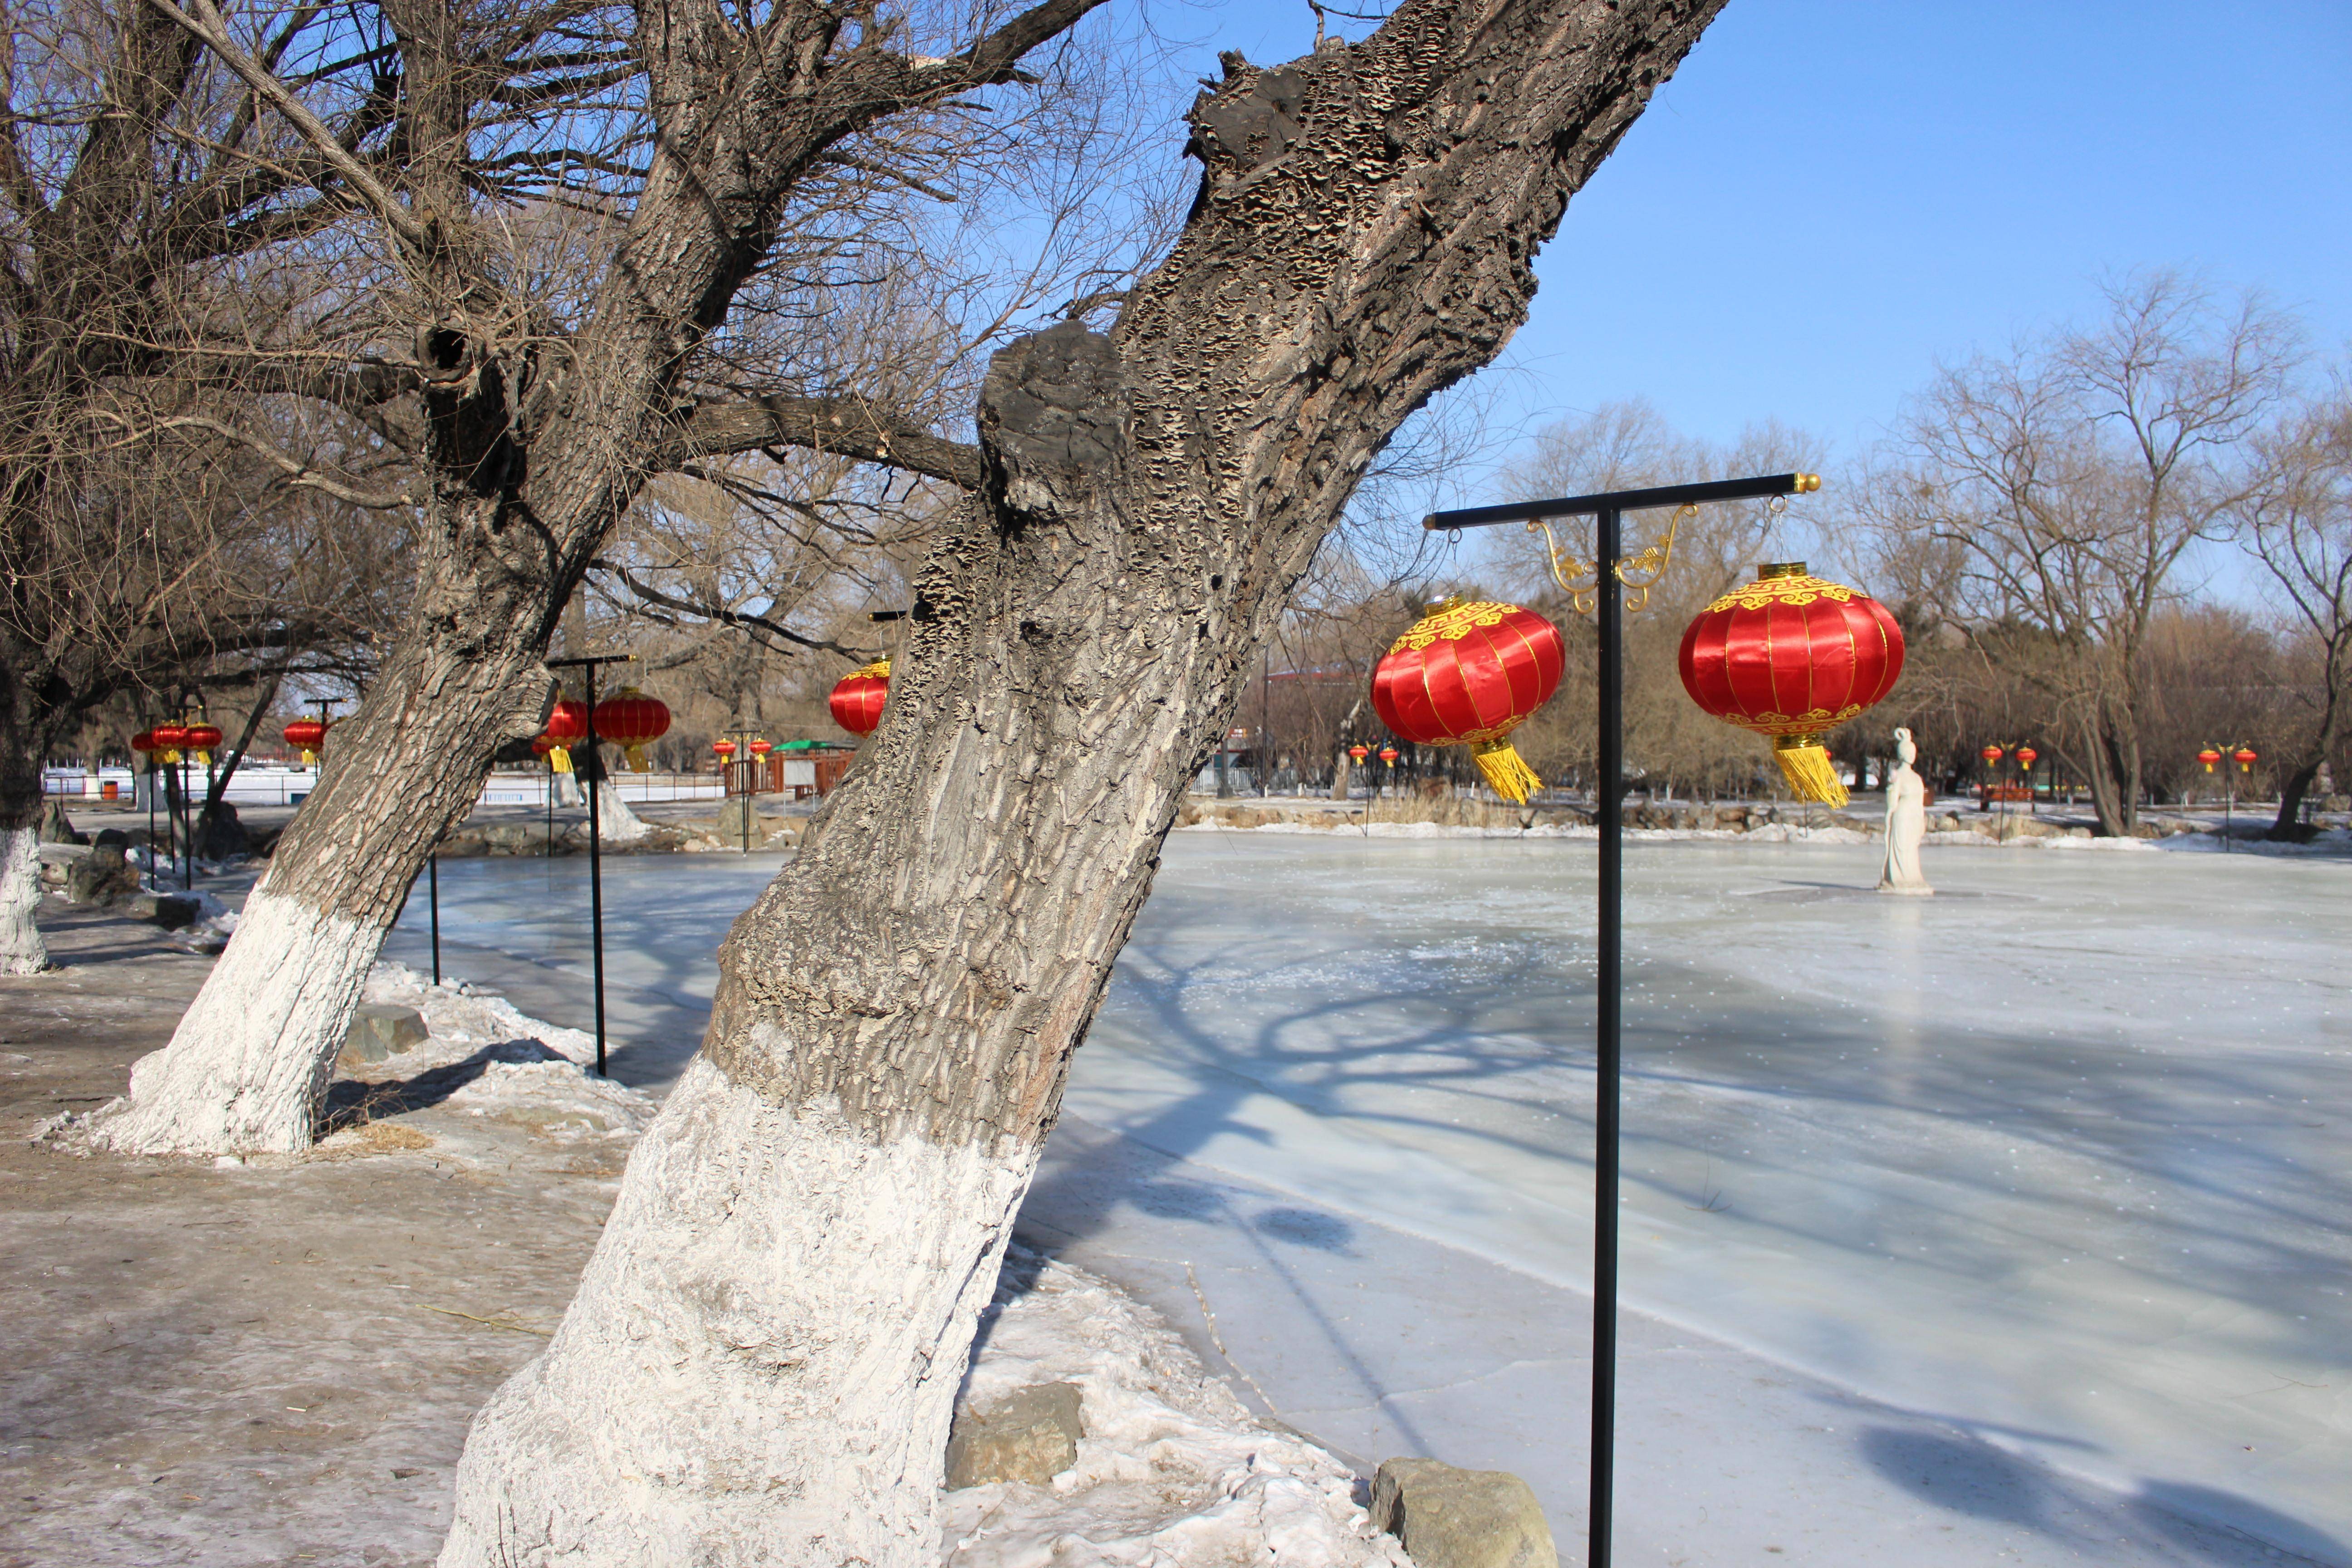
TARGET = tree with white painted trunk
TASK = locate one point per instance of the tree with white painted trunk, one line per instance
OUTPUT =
(138, 544)
(536, 420)
(760, 1362)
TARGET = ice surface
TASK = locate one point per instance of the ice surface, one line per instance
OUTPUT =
(2056, 1157)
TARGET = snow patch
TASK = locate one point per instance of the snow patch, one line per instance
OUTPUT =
(464, 1017)
(1172, 1472)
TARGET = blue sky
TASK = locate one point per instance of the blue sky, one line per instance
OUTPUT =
(1832, 194)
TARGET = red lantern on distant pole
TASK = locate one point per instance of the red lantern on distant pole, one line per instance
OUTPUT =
(567, 726)
(171, 735)
(1389, 754)
(309, 734)
(1467, 674)
(632, 720)
(858, 697)
(726, 751)
(1789, 657)
(203, 740)
(2025, 755)
(1991, 755)
(2209, 756)
(2246, 758)
(1358, 752)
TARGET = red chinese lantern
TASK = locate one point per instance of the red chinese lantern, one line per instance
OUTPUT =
(858, 699)
(309, 734)
(171, 735)
(759, 750)
(1467, 674)
(2025, 755)
(1358, 752)
(2209, 756)
(143, 741)
(1790, 656)
(632, 720)
(726, 750)
(1389, 754)
(1991, 755)
(2245, 759)
(567, 726)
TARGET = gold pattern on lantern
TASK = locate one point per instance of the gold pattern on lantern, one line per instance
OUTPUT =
(1451, 623)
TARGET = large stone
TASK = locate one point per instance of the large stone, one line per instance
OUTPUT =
(57, 828)
(1450, 1518)
(379, 1031)
(101, 875)
(1030, 1435)
(166, 909)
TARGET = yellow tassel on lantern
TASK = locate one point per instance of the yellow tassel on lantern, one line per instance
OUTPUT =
(559, 761)
(310, 758)
(638, 762)
(1806, 765)
(1505, 771)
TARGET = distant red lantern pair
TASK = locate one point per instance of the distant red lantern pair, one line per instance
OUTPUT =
(1789, 657)
(1991, 754)
(858, 698)
(2209, 756)
(1467, 674)
(2025, 757)
(1357, 753)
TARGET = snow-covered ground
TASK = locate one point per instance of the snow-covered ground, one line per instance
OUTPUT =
(2053, 1161)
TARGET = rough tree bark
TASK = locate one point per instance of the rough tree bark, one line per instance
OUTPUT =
(534, 444)
(760, 1361)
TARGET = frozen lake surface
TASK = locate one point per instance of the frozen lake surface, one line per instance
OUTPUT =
(2057, 1157)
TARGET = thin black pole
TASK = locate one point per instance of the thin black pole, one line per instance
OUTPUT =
(595, 867)
(1608, 619)
(433, 893)
(153, 881)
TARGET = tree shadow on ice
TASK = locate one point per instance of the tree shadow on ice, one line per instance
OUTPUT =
(2171, 1523)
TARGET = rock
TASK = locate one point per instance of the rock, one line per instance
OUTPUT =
(101, 875)
(57, 828)
(166, 909)
(1449, 1518)
(1030, 1435)
(224, 834)
(379, 1031)
(110, 839)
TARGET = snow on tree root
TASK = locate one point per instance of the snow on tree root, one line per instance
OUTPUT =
(247, 1070)
(752, 1370)
(1172, 1470)
(22, 950)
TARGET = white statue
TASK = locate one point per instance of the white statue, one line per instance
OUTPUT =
(1907, 821)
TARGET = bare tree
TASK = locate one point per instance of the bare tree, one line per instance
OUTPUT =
(2059, 487)
(762, 1359)
(2298, 524)
(560, 339)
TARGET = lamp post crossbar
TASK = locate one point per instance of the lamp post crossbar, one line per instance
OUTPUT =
(1622, 501)
(1607, 602)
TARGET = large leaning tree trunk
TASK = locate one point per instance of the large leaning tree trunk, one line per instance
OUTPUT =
(760, 1365)
(534, 442)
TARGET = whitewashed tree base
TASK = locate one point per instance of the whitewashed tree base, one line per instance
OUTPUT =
(22, 950)
(763, 1359)
(247, 1067)
(615, 823)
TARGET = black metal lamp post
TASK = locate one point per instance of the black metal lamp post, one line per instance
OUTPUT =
(587, 667)
(1603, 599)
